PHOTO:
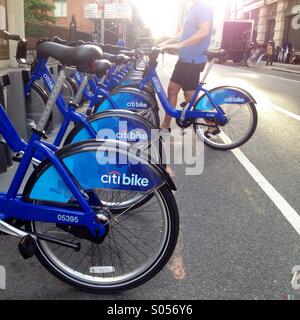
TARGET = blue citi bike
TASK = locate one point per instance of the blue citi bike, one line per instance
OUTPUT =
(124, 125)
(228, 111)
(79, 234)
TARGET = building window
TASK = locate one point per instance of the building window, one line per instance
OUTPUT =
(60, 8)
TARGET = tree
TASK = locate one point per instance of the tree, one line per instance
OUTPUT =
(38, 11)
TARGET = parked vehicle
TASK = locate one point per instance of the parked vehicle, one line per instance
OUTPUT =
(236, 34)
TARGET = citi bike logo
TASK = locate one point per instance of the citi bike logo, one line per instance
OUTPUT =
(234, 99)
(2, 278)
(136, 104)
(48, 81)
(156, 84)
(115, 178)
(132, 135)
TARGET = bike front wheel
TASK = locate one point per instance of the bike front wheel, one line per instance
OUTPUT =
(138, 245)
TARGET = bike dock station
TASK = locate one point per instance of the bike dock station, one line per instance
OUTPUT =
(105, 196)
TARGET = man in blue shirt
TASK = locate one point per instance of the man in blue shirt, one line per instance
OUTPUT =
(192, 41)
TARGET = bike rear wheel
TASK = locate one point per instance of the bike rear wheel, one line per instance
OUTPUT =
(137, 247)
(240, 128)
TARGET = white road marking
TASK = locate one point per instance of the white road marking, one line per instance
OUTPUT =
(285, 208)
(281, 110)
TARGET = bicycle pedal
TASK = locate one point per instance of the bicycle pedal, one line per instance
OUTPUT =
(27, 247)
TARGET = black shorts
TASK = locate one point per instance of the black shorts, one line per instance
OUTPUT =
(187, 75)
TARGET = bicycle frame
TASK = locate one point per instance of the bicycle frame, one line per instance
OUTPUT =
(151, 76)
(187, 114)
(99, 92)
(11, 204)
(41, 71)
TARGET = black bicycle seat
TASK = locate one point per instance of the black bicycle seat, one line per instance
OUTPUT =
(69, 56)
(101, 67)
(117, 59)
(128, 53)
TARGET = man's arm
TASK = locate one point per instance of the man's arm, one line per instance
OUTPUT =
(173, 39)
(202, 33)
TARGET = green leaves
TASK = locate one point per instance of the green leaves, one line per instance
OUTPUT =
(39, 11)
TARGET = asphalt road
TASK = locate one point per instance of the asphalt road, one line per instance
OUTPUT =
(236, 240)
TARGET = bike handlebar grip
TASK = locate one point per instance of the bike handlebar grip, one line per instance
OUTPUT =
(5, 35)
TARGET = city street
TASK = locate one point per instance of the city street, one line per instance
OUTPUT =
(240, 230)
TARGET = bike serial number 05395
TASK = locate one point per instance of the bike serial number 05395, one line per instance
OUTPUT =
(66, 218)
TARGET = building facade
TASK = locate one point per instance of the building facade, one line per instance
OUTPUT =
(88, 14)
(64, 10)
(11, 19)
(277, 20)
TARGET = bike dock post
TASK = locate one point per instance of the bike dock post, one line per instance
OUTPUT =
(5, 153)
(16, 106)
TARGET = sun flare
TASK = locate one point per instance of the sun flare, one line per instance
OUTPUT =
(162, 16)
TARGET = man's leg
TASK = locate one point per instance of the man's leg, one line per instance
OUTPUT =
(173, 92)
(188, 95)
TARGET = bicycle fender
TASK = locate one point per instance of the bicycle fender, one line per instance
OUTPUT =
(224, 95)
(84, 163)
(120, 125)
(129, 99)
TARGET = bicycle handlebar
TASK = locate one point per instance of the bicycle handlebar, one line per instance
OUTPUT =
(5, 35)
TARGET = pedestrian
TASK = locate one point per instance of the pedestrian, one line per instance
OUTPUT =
(192, 41)
(270, 53)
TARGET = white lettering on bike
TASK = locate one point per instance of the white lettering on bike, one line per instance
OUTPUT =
(234, 99)
(48, 81)
(137, 135)
(66, 218)
(156, 85)
(118, 179)
(139, 105)
(102, 270)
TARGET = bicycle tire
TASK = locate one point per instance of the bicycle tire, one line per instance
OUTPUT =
(238, 144)
(157, 265)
